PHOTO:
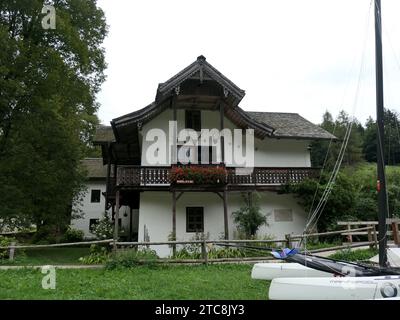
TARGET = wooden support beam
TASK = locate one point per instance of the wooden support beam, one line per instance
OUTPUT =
(226, 227)
(108, 175)
(179, 195)
(221, 127)
(174, 151)
(219, 195)
(116, 218)
(174, 221)
(130, 222)
(395, 232)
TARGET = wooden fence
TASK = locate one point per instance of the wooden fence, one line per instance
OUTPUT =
(369, 230)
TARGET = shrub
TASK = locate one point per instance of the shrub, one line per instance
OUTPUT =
(98, 255)
(72, 235)
(131, 258)
(354, 255)
(5, 242)
(104, 229)
(249, 218)
(45, 235)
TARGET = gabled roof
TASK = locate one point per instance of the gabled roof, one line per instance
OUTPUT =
(103, 135)
(291, 125)
(202, 67)
(95, 168)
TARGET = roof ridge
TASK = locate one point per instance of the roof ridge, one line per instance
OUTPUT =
(275, 112)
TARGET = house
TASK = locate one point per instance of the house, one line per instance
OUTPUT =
(93, 201)
(159, 164)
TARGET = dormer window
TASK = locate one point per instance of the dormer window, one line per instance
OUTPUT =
(193, 120)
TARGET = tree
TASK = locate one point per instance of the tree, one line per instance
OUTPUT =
(322, 151)
(249, 218)
(340, 203)
(392, 138)
(48, 85)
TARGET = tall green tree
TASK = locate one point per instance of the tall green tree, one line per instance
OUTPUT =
(327, 152)
(49, 79)
(391, 143)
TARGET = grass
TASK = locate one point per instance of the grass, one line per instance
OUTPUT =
(227, 281)
(53, 256)
(354, 255)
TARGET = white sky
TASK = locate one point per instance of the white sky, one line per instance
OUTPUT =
(289, 55)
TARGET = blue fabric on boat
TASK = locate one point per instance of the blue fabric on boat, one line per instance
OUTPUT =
(285, 253)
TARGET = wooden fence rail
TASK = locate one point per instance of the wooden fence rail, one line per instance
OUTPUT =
(289, 238)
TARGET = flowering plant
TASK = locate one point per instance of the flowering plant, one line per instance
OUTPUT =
(104, 229)
(198, 174)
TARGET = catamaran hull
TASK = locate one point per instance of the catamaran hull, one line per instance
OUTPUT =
(269, 271)
(337, 288)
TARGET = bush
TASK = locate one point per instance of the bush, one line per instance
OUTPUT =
(5, 242)
(249, 218)
(45, 235)
(98, 255)
(104, 229)
(354, 255)
(72, 235)
(131, 258)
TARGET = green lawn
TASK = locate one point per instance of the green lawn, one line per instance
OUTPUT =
(227, 281)
(43, 256)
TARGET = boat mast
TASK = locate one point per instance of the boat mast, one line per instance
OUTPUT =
(381, 183)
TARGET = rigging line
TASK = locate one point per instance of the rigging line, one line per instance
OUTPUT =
(379, 138)
(330, 186)
(342, 103)
(334, 172)
(342, 151)
(326, 191)
(317, 213)
(386, 33)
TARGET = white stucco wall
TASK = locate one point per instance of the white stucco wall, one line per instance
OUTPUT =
(156, 214)
(96, 210)
(268, 152)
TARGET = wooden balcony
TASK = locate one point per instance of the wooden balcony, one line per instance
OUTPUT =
(146, 177)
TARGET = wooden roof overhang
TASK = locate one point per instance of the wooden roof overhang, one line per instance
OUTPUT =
(198, 86)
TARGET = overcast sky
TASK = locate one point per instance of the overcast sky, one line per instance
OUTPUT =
(288, 55)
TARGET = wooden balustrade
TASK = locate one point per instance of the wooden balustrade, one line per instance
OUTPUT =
(158, 176)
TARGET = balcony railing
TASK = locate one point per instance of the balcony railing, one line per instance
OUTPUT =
(132, 176)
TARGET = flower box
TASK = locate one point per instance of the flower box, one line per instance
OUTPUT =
(200, 175)
(184, 181)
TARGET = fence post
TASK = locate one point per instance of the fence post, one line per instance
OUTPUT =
(370, 239)
(395, 232)
(12, 251)
(288, 240)
(375, 238)
(204, 251)
(349, 236)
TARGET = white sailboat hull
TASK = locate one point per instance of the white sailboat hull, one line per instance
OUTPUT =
(337, 288)
(269, 271)
(393, 255)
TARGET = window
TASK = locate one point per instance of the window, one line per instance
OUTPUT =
(95, 196)
(92, 223)
(206, 154)
(193, 120)
(194, 219)
(283, 215)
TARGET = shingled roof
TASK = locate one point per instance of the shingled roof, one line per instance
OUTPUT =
(95, 168)
(103, 134)
(285, 125)
(291, 125)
